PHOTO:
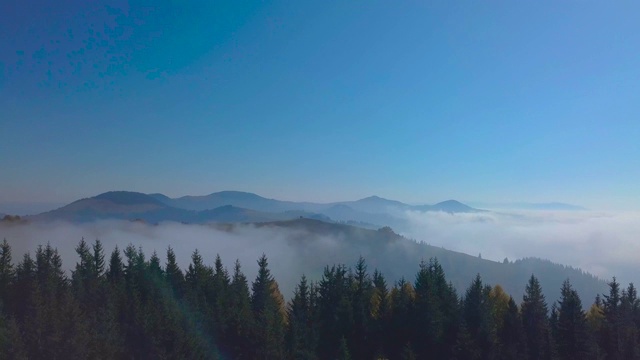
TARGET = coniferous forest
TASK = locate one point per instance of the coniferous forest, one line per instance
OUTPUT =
(125, 305)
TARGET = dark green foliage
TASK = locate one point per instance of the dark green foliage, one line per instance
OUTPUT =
(240, 315)
(571, 327)
(269, 315)
(510, 334)
(133, 307)
(301, 339)
(535, 321)
(334, 310)
(6, 272)
(477, 317)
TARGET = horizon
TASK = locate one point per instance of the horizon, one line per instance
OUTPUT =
(33, 208)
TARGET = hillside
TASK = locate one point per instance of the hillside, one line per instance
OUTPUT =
(126, 205)
(398, 257)
(370, 210)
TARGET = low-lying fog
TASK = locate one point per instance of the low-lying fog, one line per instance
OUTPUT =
(605, 244)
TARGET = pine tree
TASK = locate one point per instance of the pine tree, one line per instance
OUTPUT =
(477, 315)
(427, 318)
(301, 333)
(24, 285)
(360, 334)
(402, 309)
(595, 323)
(6, 274)
(174, 275)
(535, 321)
(510, 334)
(380, 314)
(571, 337)
(335, 310)
(219, 300)
(197, 280)
(269, 313)
(466, 348)
(611, 329)
(240, 315)
(629, 320)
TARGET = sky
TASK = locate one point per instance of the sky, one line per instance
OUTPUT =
(419, 101)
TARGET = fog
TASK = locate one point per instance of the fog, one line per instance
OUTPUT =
(246, 243)
(605, 244)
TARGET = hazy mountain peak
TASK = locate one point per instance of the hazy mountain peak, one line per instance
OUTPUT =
(127, 198)
(452, 206)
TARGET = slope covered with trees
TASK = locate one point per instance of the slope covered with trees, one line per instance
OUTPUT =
(128, 305)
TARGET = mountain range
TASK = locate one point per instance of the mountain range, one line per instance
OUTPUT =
(371, 237)
(236, 206)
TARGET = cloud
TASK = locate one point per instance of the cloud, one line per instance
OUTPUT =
(604, 244)
(247, 243)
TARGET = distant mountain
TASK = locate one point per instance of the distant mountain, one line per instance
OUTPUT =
(449, 206)
(370, 210)
(234, 198)
(398, 257)
(237, 206)
(128, 205)
(376, 204)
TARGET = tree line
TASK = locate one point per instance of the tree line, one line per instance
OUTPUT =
(129, 306)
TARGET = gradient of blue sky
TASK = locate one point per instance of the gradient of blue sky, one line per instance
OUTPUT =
(419, 101)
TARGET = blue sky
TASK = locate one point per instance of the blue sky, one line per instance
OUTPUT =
(321, 101)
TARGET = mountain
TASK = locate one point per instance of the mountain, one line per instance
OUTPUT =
(372, 210)
(127, 205)
(237, 206)
(376, 204)
(398, 257)
(449, 206)
(234, 198)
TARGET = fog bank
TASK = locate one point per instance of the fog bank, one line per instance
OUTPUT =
(605, 244)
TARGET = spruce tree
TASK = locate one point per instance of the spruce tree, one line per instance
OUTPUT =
(571, 334)
(269, 314)
(510, 334)
(360, 335)
(402, 309)
(6, 275)
(240, 315)
(380, 313)
(611, 330)
(301, 340)
(477, 316)
(535, 321)
(173, 275)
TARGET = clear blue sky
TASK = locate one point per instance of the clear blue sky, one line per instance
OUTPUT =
(419, 101)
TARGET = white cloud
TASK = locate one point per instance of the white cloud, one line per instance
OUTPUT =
(605, 244)
(246, 243)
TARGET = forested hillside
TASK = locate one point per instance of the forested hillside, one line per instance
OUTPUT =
(130, 305)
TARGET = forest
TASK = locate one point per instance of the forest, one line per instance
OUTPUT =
(125, 305)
